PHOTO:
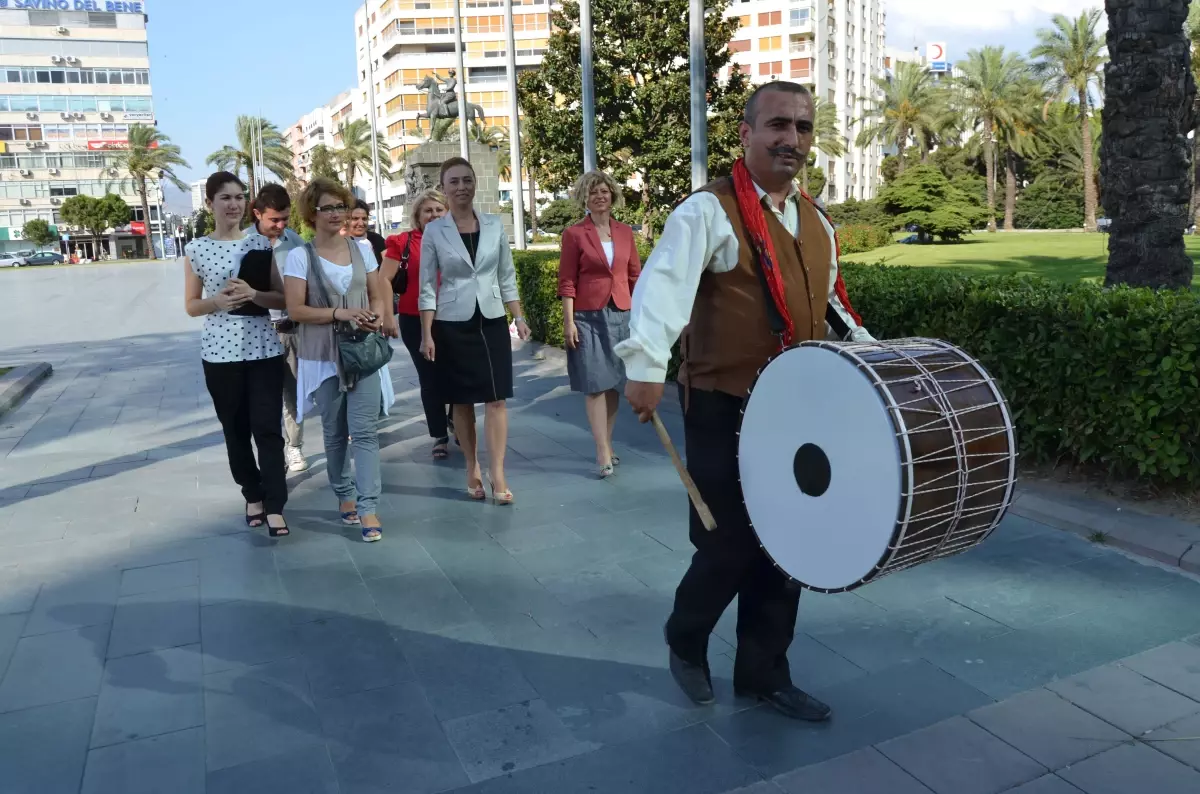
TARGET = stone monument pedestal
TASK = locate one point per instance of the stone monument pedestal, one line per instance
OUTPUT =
(421, 172)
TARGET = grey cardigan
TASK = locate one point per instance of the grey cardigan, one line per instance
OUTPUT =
(489, 283)
(319, 342)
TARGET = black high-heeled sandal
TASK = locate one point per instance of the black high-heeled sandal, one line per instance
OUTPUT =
(261, 518)
(278, 532)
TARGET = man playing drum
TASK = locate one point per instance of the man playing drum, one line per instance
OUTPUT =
(753, 263)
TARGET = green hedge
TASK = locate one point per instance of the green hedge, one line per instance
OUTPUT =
(856, 238)
(1105, 377)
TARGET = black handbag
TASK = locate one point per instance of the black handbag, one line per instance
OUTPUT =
(400, 280)
(362, 353)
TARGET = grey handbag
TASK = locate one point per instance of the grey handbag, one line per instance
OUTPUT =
(362, 352)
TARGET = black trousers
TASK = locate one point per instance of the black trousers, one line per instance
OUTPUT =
(248, 398)
(729, 560)
(435, 408)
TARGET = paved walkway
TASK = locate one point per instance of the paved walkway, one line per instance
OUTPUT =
(148, 643)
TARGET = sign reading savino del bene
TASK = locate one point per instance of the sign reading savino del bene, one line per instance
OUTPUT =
(77, 5)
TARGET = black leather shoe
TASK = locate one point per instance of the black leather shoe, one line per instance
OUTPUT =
(693, 679)
(792, 702)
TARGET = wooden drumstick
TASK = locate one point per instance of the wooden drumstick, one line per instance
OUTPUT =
(706, 516)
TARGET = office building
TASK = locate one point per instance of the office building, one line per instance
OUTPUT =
(197, 193)
(73, 83)
(319, 127)
(836, 48)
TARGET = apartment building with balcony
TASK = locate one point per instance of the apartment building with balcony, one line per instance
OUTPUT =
(836, 48)
(71, 84)
(320, 127)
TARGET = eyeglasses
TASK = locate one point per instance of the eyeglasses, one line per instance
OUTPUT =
(330, 209)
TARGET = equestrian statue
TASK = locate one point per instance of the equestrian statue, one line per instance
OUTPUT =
(445, 106)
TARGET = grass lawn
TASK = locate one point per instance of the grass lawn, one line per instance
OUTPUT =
(1063, 256)
(4, 371)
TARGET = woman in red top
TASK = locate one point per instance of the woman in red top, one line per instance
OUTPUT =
(596, 274)
(404, 250)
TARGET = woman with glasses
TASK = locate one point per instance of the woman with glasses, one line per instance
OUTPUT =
(463, 325)
(333, 284)
(404, 253)
(242, 357)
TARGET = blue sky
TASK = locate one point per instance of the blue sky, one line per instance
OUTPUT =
(214, 60)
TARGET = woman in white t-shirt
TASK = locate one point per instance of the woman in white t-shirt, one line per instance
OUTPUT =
(241, 354)
(335, 281)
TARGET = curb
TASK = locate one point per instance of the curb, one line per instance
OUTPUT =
(20, 383)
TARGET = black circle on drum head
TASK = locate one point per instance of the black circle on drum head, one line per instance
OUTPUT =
(811, 467)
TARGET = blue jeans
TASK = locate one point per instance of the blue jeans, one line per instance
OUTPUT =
(354, 414)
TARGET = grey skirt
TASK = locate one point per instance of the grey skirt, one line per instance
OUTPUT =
(593, 367)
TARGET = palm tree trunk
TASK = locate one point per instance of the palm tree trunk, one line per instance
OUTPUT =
(1010, 188)
(900, 156)
(1089, 167)
(533, 229)
(1196, 178)
(645, 209)
(141, 187)
(990, 168)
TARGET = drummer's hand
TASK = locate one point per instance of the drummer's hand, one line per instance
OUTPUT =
(644, 398)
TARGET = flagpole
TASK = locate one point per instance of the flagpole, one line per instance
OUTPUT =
(463, 140)
(589, 90)
(699, 91)
(514, 132)
(379, 219)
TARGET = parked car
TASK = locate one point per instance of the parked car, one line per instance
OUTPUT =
(44, 258)
(1103, 224)
(11, 260)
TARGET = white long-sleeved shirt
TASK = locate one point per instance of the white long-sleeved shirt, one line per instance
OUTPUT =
(698, 236)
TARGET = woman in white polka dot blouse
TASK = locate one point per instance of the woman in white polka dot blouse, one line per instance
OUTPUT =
(242, 357)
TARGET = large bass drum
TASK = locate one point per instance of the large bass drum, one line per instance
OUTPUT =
(858, 460)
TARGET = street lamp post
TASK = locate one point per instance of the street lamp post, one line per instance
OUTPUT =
(463, 141)
(379, 219)
(589, 89)
(162, 241)
(514, 132)
(699, 90)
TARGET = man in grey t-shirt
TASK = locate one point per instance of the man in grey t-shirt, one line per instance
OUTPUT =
(272, 210)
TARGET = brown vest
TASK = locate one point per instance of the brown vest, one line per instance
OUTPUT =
(729, 339)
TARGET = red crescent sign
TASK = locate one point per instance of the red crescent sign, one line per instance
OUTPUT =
(937, 48)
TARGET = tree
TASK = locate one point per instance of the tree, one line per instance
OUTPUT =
(95, 215)
(860, 213)
(1071, 56)
(38, 232)
(323, 163)
(1149, 109)
(909, 107)
(355, 154)
(816, 175)
(1193, 31)
(1051, 202)
(923, 197)
(1018, 142)
(989, 91)
(642, 98)
(150, 155)
(826, 138)
(202, 222)
(561, 213)
(239, 159)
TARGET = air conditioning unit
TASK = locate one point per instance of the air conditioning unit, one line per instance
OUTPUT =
(113, 172)
(54, 172)
(65, 116)
(56, 59)
(56, 201)
(31, 116)
(61, 30)
(78, 115)
(106, 116)
(26, 202)
(71, 59)
(41, 145)
(26, 172)
(30, 145)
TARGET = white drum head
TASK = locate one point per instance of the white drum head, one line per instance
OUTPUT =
(820, 467)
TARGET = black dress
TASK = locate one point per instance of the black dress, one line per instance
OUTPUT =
(473, 357)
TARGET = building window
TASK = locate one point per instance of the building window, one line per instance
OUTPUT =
(770, 18)
(529, 22)
(744, 21)
(488, 24)
(769, 43)
(770, 68)
(739, 45)
(800, 68)
(798, 16)
(41, 19)
(102, 19)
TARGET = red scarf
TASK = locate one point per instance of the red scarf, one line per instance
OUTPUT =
(754, 218)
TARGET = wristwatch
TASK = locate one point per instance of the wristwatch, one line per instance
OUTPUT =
(519, 320)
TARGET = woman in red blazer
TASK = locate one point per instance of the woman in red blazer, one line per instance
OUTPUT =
(596, 274)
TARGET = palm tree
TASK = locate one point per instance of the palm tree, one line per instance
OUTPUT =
(1019, 139)
(989, 91)
(355, 154)
(1071, 55)
(322, 163)
(239, 159)
(1193, 31)
(826, 136)
(910, 108)
(150, 154)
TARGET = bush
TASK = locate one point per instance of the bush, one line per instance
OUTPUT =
(923, 196)
(1053, 201)
(853, 211)
(1097, 376)
(855, 238)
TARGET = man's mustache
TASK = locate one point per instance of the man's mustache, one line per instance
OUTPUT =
(776, 151)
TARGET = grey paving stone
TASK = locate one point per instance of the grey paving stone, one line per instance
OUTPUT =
(464, 673)
(239, 577)
(1130, 768)
(151, 621)
(326, 590)
(52, 668)
(17, 593)
(398, 555)
(865, 771)
(1047, 784)
(688, 761)
(245, 633)
(1127, 700)
(598, 548)
(43, 749)
(420, 601)
(521, 538)
(302, 772)
(346, 655)
(10, 632)
(1048, 728)
(382, 736)
(172, 762)
(511, 738)
(170, 576)
(255, 713)
(1175, 666)
(596, 582)
(1178, 740)
(958, 757)
(149, 694)
(75, 603)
